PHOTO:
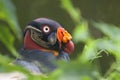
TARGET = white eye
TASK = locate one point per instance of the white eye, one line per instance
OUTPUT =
(46, 29)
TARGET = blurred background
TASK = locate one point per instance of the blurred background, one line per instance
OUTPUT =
(16, 14)
(100, 10)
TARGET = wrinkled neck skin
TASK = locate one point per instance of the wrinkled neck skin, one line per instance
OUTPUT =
(29, 44)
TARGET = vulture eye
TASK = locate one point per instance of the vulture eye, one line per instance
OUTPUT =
(46, 29)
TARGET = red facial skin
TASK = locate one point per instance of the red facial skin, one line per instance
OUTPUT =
(29, 44)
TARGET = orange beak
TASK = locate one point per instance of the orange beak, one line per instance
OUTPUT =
(64, 37)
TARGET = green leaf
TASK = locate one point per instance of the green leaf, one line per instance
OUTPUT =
(78, 71)
(81, 33)
(7, 14)
(89, 52)
(7, 39)
(111, 46)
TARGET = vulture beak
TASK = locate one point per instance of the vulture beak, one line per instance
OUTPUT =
(65, 38)
(52, 38)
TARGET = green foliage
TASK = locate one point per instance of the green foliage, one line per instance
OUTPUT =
(111, 40)
(85, 66)
(80, 33)
(7, 15)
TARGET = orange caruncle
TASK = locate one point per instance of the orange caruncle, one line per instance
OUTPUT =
(63, 35)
